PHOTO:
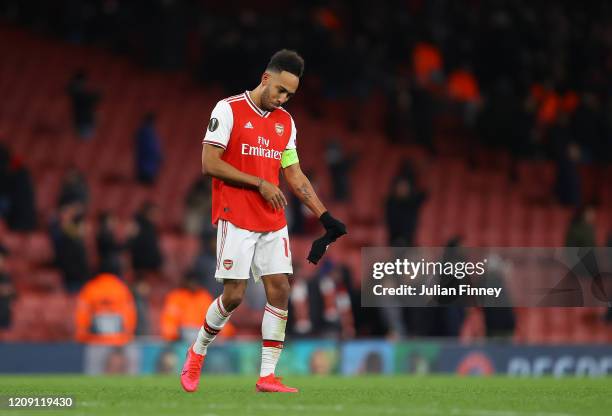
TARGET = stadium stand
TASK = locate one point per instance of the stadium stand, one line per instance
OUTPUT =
(480, 203)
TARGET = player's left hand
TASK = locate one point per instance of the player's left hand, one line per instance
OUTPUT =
(334, 227)
(334, 230)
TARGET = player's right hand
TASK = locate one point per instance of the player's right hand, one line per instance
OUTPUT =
(272, 194)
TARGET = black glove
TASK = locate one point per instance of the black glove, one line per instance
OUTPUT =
(334, 230)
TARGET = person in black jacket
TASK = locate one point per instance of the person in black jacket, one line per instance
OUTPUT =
(402, 212)
(84, 102)
(109, 247)
(68, 235)
(7, 293)
(5, 158)
(144, 246)
(21, 215)
(74, 189)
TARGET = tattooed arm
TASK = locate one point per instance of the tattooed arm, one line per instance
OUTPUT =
(334, 229)
(302, 188)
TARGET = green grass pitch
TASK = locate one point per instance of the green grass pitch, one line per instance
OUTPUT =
(364, 395)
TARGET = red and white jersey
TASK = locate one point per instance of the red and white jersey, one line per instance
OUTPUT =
(254, 141)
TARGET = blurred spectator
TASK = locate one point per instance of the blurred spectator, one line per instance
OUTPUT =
(581, 231)
(427, 64)
(299, 319)
(74, 189)
(105, 312)
(608, 316)
(499, 321)
(144, 245)
(84, 102)
(463, 90)
(452, 317)
(205, 263)
(607, 120)
(300, 219)
(198, 208)
(339, 168)
(68, 235)
(21, 215)
(397, 117)
(568, 184)
(295, 215)
(394, 322)
(560, 135)
(184, 310)
(549, 104)
(324, 304)
(463, 86)
(442, 321)
(588, 127)
(148, 151)
(407, 171)
(524, 138)
(422, 105)
(502, 121)
(402, 212)
(141, 289)
(5, 158)
(7, 293)
(109, 247)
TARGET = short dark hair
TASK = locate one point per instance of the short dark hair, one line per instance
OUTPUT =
(287, 60)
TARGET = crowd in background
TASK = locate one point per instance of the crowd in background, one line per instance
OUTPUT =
(532, 78)
(325, 303)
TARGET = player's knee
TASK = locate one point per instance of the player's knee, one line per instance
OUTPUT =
(232, 300)
(233, 295)
(281, 289)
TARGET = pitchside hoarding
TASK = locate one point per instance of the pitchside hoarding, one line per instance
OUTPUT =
(317, 357)
(557, 361)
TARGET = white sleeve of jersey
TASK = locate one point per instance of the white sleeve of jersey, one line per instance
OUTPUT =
(220, 125)
(292, 139)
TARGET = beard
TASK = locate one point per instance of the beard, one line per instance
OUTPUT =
(266, 102)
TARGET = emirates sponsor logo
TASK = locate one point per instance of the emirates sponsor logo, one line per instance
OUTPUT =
(260, 151)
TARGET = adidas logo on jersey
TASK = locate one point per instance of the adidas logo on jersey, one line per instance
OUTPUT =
(248, 125)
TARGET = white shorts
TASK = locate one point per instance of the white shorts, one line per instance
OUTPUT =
(240, 251)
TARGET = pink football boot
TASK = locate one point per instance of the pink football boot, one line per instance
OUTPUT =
(190, 376)
(272, 384)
